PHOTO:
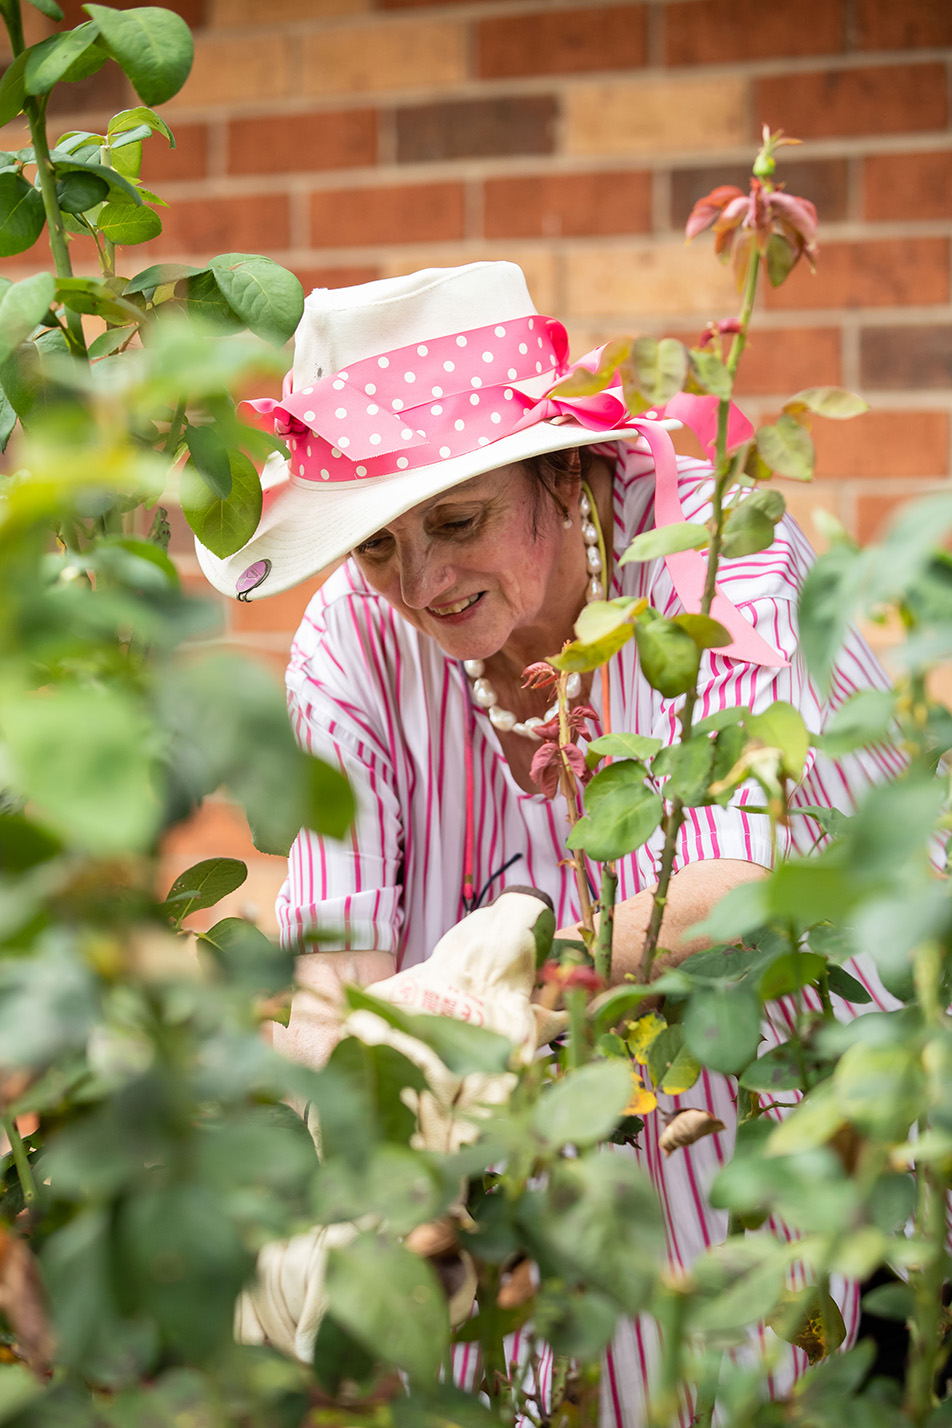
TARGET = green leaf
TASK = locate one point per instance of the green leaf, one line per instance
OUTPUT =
(267, 298)
(621, 813)
(604, 617)
(866, 718)
(136, 118)
(722, 1027)
(750, 523)
(669, 658)
(77, 191)
(687, 768)
(8, 419)
(22, 306)
(210, 458)
(158, 275)
(666, 540)
(582, 383)
(390, 1301)
(119, 185)
(94, 295)
(21, 214)
(205, 301)
(338, 1357)
(834, 402)
(847, 987)
(577, 657)
(706, 633)
(203, 885)
(779, 259)
(626, 746)
(109, 341)
(810, 1319)
(710, 373)
(18, 1387)
(12, 88)
(127, 223)
(48, 8)
(789, 973)
(782, 727)
(890, 1301)
(778, 1070)
(585, 1105)
(153, 46)
(52, 59)
(659, 367)
(880, 1089)
(787, 449)
(83, 756)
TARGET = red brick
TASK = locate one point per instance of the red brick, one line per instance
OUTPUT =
(877, 99)
(908, 25)
(289, 143)
(567, 205)
(254, 223)
(823, 181)
(477, 128)
(872, 515)
(781, 361)
(188, 160)
(278, 614)
(216, 829)
(721, 31)
(191, 11)
(899, 444)
(335, 277)
(906, 358)
(904, 186)
(563, 41)
(412, 213)
(891, 272)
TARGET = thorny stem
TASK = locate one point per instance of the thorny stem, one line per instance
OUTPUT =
(606, 920)
(570, 794)
(20, 1158)
(675, 816)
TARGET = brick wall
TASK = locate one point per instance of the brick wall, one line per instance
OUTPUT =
(352, 139)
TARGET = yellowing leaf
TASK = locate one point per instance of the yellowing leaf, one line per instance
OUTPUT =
(643, 1033)
(641, 1101)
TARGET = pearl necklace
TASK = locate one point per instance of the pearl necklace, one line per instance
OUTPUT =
(483, 693)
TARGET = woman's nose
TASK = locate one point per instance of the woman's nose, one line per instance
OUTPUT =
(422, 578)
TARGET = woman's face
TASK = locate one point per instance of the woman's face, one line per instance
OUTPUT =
(481, 565)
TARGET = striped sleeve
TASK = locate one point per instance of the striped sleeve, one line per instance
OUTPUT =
(348, 891)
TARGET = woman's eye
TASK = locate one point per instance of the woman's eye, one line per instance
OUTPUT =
(376, 545)
(465, 523)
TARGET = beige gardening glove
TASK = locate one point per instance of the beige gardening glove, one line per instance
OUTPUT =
(482, 971)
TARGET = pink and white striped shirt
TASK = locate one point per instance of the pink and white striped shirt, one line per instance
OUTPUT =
(372, 694)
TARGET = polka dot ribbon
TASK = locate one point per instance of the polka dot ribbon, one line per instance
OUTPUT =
(422, 404)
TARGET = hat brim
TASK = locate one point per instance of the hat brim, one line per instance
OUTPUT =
(306, 528)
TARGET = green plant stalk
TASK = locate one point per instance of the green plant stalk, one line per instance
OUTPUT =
(929, 1222)
(675, 817)
(606, 922)
(576, 1003)
(35, 111)
(20, 1159)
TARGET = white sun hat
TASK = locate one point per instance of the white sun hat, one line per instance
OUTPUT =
(402, 389)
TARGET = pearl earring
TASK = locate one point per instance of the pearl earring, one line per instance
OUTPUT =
(567, 523)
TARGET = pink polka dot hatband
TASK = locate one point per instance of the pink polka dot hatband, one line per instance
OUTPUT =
(402, 389)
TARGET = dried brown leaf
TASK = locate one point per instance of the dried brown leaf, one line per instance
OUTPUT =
(687, 1127)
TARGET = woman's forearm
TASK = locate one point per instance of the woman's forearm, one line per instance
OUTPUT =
(691, 894)
(314, 1026)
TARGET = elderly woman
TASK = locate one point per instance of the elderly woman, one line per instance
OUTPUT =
(470, 506)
